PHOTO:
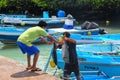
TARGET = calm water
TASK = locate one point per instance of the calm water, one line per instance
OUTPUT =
(13, 52)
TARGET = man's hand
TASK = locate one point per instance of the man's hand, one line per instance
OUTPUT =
(48, 42)
(65, 38)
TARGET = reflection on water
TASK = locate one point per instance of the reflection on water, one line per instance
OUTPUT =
(1, 45)
(7, 46)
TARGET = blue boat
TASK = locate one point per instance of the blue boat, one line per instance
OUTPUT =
(29, 22)
(95, 57)
(95, 63)
(24, 20)
(13, 16)
(9, 34)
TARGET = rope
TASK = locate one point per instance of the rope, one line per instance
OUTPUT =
(55, 72)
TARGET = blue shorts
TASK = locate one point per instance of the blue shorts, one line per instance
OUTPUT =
(30, 50)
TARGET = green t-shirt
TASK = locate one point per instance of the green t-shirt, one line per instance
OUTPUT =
(32, 34)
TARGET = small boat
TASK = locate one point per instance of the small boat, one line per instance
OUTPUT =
(91, 57)
(29, 22)
(93, 64)
(24, 21)
(13, 16)
(10, 33)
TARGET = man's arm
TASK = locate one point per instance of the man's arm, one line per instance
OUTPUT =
(52, 38)
(44, 40)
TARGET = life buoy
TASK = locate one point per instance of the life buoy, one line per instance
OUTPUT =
(107, 22)
(89, 33)
(22, 23)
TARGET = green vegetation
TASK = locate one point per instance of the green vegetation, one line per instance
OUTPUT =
(86, 9)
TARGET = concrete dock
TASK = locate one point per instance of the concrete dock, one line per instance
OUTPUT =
(12, 70)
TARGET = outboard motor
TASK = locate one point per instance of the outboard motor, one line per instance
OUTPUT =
(89, 25)
(102, 31)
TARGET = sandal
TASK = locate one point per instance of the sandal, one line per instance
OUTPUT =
(29, 68)
(36, 69)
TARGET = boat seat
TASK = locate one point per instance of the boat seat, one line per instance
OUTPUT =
(106, 53)
(115, 77)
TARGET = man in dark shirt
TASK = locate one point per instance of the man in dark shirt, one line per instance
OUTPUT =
(70, 56)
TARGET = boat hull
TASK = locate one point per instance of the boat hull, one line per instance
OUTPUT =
(90, 61)
(30, 22)
(10, 34)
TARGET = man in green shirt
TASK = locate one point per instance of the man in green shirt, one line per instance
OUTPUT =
(25, 43)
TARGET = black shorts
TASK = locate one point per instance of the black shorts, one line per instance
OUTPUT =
(71, 68)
